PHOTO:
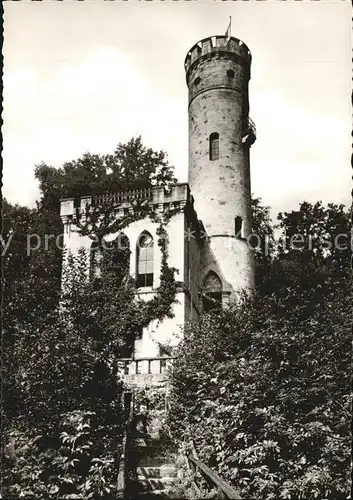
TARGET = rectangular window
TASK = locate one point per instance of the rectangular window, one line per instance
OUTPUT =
(145, 267)
(238, 229)
(214, 146)
(145, 279)
(149, 366)
(138, 367)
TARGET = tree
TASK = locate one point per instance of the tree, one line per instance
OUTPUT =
(264, 387)
(262, 240)
(31, 272)
(323, 235)
(312, 252)
(32, 263)
(63, 357)
(66, 431)
(131, 166)
(66, 380)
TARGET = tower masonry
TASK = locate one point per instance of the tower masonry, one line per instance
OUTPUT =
(220, 135)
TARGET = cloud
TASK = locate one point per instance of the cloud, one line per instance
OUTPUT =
(297, 152)
(56, 113)
(56, 116)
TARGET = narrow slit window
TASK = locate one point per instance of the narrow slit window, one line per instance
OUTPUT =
(214, 146)
(238, 227)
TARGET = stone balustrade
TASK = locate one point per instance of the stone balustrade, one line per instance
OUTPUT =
(122, 197)
(144, 366)
(177, 196)
(145, 372)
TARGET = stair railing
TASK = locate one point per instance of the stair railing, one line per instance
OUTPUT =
(122, 467)
(224, 489)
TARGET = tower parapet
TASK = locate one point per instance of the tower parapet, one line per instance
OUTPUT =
(217, 45)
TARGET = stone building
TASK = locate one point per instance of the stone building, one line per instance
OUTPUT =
(207, 235)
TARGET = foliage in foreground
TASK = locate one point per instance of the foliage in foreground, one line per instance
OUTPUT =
(265, 392)
(66, 421)
(63, 415)
(64, 437)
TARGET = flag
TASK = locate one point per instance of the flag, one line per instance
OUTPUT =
(227, 34)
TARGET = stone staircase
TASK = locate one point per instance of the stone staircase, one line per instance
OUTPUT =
(152, 455)
(155, 471)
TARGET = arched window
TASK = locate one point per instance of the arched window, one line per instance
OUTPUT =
(96, 256)
(214, 146)
(211, 292)
(144, 260)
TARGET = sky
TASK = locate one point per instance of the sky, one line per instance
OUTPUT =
(84, 76)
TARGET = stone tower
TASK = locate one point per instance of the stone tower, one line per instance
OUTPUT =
(220, 135)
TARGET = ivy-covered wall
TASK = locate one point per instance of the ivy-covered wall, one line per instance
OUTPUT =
(176, 208)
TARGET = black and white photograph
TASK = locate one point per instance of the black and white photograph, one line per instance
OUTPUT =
(176, 250)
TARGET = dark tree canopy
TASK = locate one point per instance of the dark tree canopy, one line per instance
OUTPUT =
(31, 263)
(312, 250)
(264, 388)
(130, 166)
(323, 235)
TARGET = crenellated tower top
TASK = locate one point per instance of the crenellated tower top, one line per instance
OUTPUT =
(217, 45)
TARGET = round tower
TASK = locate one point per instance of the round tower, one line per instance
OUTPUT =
(220, 135)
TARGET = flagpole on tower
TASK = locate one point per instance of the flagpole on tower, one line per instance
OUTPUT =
(228, 30)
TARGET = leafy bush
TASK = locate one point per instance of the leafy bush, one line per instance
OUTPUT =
(264, 389)
(68, 414)
(77, 460)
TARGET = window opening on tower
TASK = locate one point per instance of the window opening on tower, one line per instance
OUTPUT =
(238, 227)
(214, 146)
(211, 292)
